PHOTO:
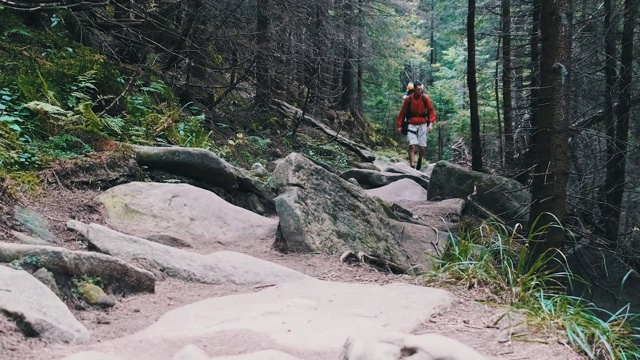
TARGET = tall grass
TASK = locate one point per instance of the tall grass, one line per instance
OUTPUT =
(491, 256)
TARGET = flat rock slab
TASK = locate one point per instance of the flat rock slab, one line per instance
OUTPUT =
(404, 189)
(35, 222)
(183, 215)
(223, 267)
(115, 273)
(397, 346)
(371, 179)
(40, 311)
(309, 319)
(439, 214)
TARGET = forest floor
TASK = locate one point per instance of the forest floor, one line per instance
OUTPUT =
(470, 321)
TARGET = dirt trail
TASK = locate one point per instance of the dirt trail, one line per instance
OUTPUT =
(466, 322)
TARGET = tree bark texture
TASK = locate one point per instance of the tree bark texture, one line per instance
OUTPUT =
(507, 104)
(263, 47)
(549, 188)
(476, 147)
(610, 210)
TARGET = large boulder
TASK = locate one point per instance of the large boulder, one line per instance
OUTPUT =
(371, 179)
(38, 311)
(503, 197)
(115, 273)
(320, 212)
(404, 189)
(309, 319)
(613, 283)
(223, 267)
(183, 215)
(201, 165)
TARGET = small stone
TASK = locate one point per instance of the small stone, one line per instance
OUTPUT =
(107, 301)
(46, 277)
(136, 310)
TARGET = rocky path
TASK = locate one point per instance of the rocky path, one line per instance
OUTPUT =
(221, 291)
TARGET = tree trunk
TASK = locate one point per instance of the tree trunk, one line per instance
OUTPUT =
(263, 46)
(346, 100)
(507, 105)
(610, 210)
(530, 156)
(360, 72)
(549, 188)
(497, 92)
(476, 147)
(619, 160)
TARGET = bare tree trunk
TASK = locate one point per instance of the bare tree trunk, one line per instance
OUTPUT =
(359, 105)
(476, 147)
(549, 188)
(263, 46)
(506, 83)
(346, 100)
(611, 212)
(619, 160)
(535, 81)
(497, 92)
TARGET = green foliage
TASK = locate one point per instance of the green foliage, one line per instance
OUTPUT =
(30, 262)
(491, 257)
(244, 150)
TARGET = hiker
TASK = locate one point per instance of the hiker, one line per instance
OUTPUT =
(416, 111)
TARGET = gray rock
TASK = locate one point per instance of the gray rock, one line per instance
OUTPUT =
(35, 222)
(613, 283)
(115, 273)
(366, 166)
(404, 168)
(320, 212)
(310, 319)
(371, 179)
(107, 301)
(353, 181)
(40, 311)
(26, 239)
(223, 267)
(258, 170)
(439, 214)
(201, 165)
(404, 189)
(192, 216)
(420, 242)
(46, 277)
(398, 346)
(505, 198)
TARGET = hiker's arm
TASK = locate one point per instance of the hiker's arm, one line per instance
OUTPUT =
(403, 111)
(432, 112)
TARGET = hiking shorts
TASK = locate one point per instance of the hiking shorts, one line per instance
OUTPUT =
(417, 135)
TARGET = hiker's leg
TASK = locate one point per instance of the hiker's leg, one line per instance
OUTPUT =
(412, 137)
(412, 155)
(422, 144)
(423, 151)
